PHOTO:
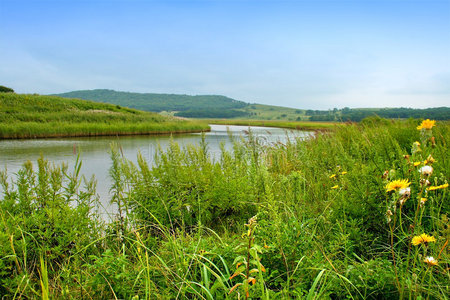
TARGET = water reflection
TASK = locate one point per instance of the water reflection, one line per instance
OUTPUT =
(95, 150)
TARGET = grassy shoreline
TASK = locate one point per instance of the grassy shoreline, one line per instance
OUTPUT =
(298, 125)
(35, 116)
(39, 131)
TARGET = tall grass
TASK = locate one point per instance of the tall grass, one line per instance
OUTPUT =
(186, 227)
(33, 116)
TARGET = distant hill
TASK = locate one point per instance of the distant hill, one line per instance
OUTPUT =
(157, 102)
(201, 106)
(222, 107)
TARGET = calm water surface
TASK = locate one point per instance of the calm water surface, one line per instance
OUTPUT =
(95, 151)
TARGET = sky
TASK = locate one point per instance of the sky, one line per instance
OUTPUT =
(307, 54)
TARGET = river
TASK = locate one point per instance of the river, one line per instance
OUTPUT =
(95, 151)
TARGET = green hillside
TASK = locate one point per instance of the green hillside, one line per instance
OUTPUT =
(29, 116)
(221, 107)
(157, 102)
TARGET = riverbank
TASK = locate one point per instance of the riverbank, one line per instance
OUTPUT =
(35, 116)
(296, 125)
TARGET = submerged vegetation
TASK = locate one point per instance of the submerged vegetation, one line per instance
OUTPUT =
(31, 116)
(357, 213)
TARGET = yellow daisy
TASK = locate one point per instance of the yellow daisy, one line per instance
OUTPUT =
(426, 124)
(332, 176)
(438, 187)
(417, 163)
(397, 185)
(422, 239)
(335, 187)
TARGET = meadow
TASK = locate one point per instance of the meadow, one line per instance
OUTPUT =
(358, 212)
(35, 116)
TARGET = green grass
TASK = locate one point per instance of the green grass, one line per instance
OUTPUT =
(32, 116)
(325, 227)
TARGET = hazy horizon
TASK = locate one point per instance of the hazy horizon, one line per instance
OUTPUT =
(301, 54)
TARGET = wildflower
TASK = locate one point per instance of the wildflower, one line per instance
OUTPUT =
(422, 239)
(417, 163)
(425, 182)
(415, 148)
(430, 160)
(385, 174)
(344, 172)
(335, 187)
(438, 187)
(430, 261)
(426, 170)
(397, 185)
(422, 201)
(405, 193)
(426, 124)
(332, 176)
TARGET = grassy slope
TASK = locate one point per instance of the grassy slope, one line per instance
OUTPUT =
(271, 112)
(26, 116)
(156, 102)
(169, 104)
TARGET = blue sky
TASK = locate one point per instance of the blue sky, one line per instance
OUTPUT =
(303, 54)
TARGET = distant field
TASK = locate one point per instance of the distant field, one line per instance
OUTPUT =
(270, 112)
(34, 116)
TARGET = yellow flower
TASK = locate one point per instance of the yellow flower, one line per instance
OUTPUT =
(438, 187)
(335, 187)
(423, 200)
(417, 163)
(332, 176)
(416, 143)
(344, 172)
(423, 238)
(426, 124)
(429, 260)
(430, 160)
(397, 185)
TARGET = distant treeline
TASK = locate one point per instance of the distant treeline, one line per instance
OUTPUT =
(356, 115)
(158, 102)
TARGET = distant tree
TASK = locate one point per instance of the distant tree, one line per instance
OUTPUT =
(4, 89)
